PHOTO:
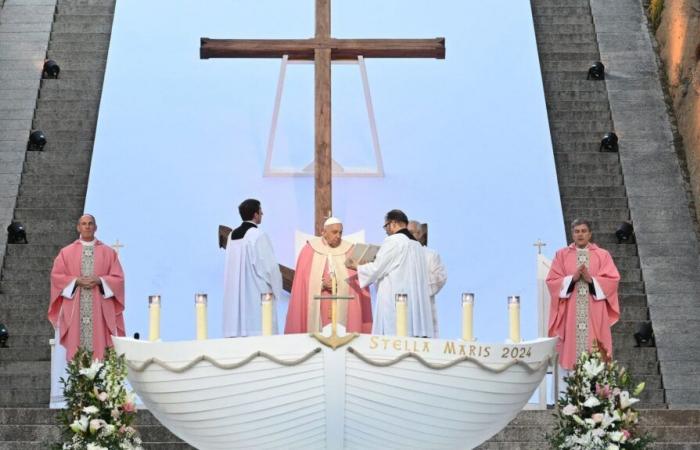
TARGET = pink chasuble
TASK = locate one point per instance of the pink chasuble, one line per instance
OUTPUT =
(301, 318)
(602, 314)
(107, 313)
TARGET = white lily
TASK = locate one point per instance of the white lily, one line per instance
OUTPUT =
(612, 447)
(593, 367)
(92, 446)
(616, 436)
(591, 402)
(569, 410)
(91, 409)
(91, 372)
(626, 401)
(80, 425)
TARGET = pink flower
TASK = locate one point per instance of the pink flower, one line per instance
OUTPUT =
(603, 391)
(102, 396)
(115, 413)
(597, 417)
(129, 407)
(616, 391)
(627, 434)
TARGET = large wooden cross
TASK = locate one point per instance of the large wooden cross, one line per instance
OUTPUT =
(322, 49)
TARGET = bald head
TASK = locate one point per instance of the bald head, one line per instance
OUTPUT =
(87, 226)
(416, 229)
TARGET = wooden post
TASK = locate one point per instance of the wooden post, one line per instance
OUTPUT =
(322, 161)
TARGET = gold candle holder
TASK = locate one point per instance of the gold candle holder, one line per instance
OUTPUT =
(200, 306)
(514, 318)
(266, 312)
(153, 317)
(467, 316)
(401, 315)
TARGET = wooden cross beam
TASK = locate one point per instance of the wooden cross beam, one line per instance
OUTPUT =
(322, 49)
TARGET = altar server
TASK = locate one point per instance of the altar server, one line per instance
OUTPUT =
(251, 269)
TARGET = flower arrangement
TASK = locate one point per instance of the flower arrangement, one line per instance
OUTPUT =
(596, 411)
(99, 410)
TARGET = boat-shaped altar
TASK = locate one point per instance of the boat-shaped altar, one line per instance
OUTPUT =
(294, 391)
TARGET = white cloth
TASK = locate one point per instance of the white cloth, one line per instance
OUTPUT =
(566, 283)
(437, 277)
(251, 269)
(399, 268)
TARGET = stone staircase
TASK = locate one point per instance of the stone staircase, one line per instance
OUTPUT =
(591, 183)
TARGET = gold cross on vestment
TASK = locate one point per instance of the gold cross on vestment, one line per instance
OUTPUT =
(322, 49)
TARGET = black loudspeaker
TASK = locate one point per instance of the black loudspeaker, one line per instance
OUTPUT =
(645, 335)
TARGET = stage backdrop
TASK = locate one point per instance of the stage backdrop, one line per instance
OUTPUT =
(464, 141)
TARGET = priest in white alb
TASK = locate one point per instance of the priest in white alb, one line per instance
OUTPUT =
(437, 273)
(251, 270)
(399, 268)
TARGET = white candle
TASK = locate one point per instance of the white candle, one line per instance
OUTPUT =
(514, 318)
(401, 315)
(153, 317)
(467, 316)
(266, 313)
(200, 305)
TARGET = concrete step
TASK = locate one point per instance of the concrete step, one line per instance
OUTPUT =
(20, 287)
(29, 325)
(53, 106)
(53, 180)
(579, 85)
(51, 126)
(584, 19)
(589, 180)
(60, 93)
(601, 158)
(100, 9)
(84, 17)
(569, 191)
(598, 126)
(25, 381)
(633, 301)
(590, 145)
(25, 397)
(557, 107)
(560, 10)
(64, 37)
(574, 65)
(42, 353)
(12, 313)
(561, 35)
(539, 4)
(84, 46)
(599, 95)
(34, 340)
(620, 214)
(22, 274)
(546, 27)
(634, 313)
(57, 237)
(57, 169)
(593, 165)
(64, 83)
(38, 190)
(573, 47)
(32, 250)
(597, 202)
(32, 215)
(55, 201)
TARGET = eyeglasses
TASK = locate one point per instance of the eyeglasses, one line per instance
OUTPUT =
(386, 225)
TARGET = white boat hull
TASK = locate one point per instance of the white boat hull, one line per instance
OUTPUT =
(291, 391)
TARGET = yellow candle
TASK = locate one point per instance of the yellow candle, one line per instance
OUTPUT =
(266, 307)
(200, 305)
(467, 317)
(153, 317)
(401, 315)
(514, 318)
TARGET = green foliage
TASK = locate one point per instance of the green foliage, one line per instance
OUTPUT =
(596, 411)
(654, 11)
(99, 410)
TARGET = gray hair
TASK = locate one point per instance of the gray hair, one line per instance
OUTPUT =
(580, 221)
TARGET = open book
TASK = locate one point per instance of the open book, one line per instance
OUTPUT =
(364, 253)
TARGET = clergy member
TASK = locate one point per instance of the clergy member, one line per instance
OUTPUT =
(582, 284)
(321, 264)
(251, 270)
(399, 268)
(437, 274)
(87, 293)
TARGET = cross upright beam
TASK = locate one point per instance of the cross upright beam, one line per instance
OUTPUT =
(322, 49)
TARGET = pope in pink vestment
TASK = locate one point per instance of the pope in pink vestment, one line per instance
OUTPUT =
(603, 304)
(315, 263)
(107, 313)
